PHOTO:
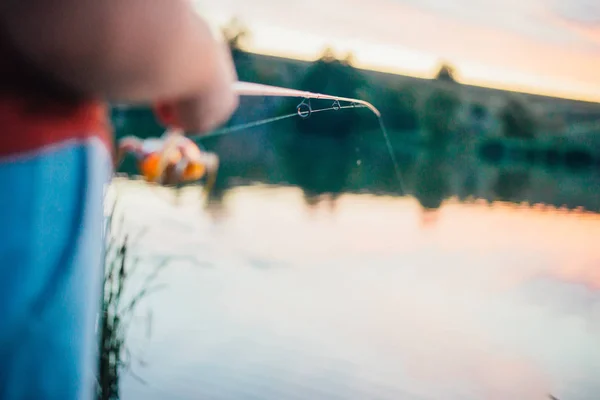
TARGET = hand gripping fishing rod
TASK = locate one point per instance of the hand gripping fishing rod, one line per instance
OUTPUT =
(173, 146)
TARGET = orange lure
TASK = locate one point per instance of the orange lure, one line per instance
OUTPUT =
(171, 159)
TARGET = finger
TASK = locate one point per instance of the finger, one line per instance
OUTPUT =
(166, 114)
(213, 107)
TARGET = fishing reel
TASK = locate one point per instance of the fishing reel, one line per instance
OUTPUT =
(172, 159)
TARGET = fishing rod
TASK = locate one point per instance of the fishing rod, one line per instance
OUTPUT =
(255, 89)
(304, 110)
(167, 159)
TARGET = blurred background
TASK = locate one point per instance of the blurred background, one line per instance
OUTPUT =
(312, 272)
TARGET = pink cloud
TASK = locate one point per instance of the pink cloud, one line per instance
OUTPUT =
(530, 45)
(580, 11)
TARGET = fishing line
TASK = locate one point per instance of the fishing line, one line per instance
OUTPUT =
(255, 89)
(392, 155)
(304, 110)
(255, 124)
(241, 127)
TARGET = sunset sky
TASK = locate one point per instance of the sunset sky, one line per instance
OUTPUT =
(543, 46)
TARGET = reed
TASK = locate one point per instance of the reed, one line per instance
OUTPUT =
(119, 306)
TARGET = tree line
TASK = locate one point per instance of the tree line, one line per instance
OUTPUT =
(436, 111)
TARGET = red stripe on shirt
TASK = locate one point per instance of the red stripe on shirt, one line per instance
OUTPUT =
(24, 130)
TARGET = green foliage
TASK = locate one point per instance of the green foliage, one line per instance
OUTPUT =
(439, 114)
(398, 105)
(478, 111)
(112, 326)
(237, 36)
(510, 185)
(118, 307)
(446, 73)
(517, 120)
(138, 121)
(331, 75)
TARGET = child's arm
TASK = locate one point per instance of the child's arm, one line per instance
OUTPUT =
(126, 50)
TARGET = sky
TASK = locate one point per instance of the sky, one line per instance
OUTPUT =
(539, 46)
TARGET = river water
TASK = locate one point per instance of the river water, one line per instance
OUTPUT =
(320, 277)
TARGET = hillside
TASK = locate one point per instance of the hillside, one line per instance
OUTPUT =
(555, 116)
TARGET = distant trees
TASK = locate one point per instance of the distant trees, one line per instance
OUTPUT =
(517, 120)
(237, 35)
(398, 104)
(328, 56)
(446, 73)
(333, 76)
(478, 111)
(348, 59)
(439, 114)
(478, 119)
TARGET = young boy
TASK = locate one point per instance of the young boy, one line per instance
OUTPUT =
(60, 62)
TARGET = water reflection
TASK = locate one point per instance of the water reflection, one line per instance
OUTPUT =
(511, 185)
(325, 283)
(432, 185)
(488, 302)
(312, 165)
(326, 167)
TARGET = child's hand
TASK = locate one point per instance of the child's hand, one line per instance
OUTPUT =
(208, 109)
(198, 114)
(126, 52)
